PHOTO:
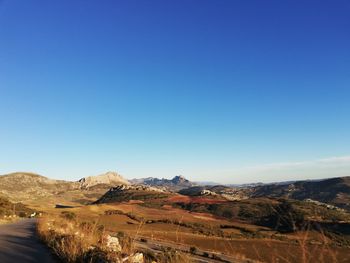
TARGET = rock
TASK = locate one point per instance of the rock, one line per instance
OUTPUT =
(134, 258)
(207, 192)
(113, 244)
(109, 178)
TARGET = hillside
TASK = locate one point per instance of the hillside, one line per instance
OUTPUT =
(335, 191)
(19, 187)
(33, 188)
(8, 208)
(124, 193)
(204, 190)
(226, 192)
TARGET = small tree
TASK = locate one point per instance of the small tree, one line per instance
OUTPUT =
(193, 250)
(22, 214)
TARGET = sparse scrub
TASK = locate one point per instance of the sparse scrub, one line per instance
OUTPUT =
(284, 218)
(12, 210)
(171, 255)
(193, 250)
(168, 255)
(144, 240)
(260, 230)
(68, 215)
(74, 241)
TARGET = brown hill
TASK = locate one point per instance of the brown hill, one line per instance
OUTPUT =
(19, 187)
(31, 188)
(124, 193)
(335, 191)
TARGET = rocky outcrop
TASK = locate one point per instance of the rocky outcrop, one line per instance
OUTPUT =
(207, 192)
(120, 188)
(109, 178)
(177, 183)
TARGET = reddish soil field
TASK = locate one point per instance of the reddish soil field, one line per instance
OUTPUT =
(135, 202)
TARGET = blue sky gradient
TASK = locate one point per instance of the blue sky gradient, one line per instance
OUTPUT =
(207, 89)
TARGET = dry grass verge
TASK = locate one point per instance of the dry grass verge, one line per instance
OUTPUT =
(73, 241)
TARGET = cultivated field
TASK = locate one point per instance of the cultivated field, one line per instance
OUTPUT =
(165, 224)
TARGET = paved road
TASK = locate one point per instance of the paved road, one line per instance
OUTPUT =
(157, 246)
(19, 244)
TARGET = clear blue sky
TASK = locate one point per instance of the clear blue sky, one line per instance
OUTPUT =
(207, 89)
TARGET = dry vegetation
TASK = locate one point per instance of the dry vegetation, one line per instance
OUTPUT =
(71, 240)
(268, 227)
(74, 240)
(11, 212)
(309, 242)
(263, 229)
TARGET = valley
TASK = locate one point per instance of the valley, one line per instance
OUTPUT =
(206, 223)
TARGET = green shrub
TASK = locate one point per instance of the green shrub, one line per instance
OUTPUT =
(193, 250)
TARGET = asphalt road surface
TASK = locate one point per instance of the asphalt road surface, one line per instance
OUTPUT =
(19, 243)
(157, 246)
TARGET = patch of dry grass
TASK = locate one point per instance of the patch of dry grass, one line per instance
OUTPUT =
(8, 220)
(307, 245)
(75, 241)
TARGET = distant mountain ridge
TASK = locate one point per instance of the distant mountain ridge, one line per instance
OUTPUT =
(30, 187)
(334, 191)
(175, 184)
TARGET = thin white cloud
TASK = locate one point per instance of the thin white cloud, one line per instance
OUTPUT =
(286, 171)
(325, 161)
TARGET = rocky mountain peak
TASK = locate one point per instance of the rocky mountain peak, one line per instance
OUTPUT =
(179, 179)
(110, 178)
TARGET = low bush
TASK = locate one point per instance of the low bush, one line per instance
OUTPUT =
(193, 250)
(74, 241)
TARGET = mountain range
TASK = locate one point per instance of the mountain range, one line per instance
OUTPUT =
(334, 191)
(33, 188)
(175, 184)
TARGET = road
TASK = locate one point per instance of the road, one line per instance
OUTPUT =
(20, 244)
(157, 246)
